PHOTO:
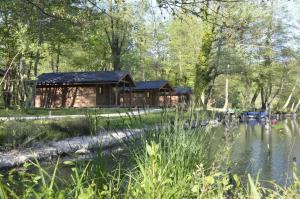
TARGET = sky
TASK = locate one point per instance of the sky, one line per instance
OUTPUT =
(293, 13)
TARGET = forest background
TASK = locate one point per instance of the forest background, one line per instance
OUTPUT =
(252, 46)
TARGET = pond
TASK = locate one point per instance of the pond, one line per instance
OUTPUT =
(269, 152)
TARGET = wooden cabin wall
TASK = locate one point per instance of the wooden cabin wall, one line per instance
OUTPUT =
(180, 98)
(125, 99)
(164, 100)
(174, 100)
(55, 97)
(145, 98)
(138, 99)
(107, 96)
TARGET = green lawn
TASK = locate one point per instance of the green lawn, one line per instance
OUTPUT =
(24, 133)
(57, 111)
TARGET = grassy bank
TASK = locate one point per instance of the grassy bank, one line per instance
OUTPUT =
(23, 133)
(174, 162)
(15, 112)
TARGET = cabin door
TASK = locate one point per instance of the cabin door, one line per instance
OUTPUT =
(151, 98)
(106, 96)
(103, 96)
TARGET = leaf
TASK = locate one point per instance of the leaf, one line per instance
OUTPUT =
(237, 180)
(68, 162)
(87, 193)
(253, 189)
(195, 189)
(105, 187)
(209, 180)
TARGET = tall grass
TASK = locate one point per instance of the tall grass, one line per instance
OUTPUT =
(25, 133)
(172, 161)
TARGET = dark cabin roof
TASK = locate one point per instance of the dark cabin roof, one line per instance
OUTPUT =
(152, 85)
(70, 78)
(182, 91)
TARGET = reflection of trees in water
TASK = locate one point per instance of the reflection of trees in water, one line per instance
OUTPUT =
(287, 128)
(295, 126)
(268, 150)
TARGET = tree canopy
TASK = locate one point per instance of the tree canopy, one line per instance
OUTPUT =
(198, 44)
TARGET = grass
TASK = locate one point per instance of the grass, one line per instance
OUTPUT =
(170, 163)
(24, 133)
(15, 112)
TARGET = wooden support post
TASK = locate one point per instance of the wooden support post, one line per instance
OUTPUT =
(110, 96)
(170, 101)
(165, 98)
(116, 94)
(123, 94)
(130, 93)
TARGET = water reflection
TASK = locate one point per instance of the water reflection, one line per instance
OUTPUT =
(269, 151)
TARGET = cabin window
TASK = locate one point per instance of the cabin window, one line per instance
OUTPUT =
(148, 94)
(100, 90)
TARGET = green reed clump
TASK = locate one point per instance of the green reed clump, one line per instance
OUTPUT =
(14, 134)
(25, 133)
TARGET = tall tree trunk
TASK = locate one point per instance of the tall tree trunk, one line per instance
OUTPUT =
(292, 107)
(288, 99)
(202, 67)
(52, 63)
(203, 71)
(253, 100)
(208, 92)
(142, 64)
(116, 57)
(226, 94)
(57, 57)
(296, 107)
(263, 99)
(40, 38)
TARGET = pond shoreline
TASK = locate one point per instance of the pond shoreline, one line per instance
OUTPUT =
(79, 145)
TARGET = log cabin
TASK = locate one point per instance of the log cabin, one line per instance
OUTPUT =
(82, 89)
(148, 94)
(181, 95)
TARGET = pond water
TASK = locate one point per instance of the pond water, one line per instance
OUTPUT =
(269, 152)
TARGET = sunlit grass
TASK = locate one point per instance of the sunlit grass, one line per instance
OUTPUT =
(24, 133)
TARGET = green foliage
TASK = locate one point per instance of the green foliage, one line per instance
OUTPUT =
(191, 48)
(20, 134)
